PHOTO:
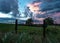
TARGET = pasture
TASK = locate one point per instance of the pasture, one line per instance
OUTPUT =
(28, 34)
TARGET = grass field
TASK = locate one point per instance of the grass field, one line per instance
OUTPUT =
(28, 34)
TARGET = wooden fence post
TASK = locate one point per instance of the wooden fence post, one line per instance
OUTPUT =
(16, 25)
(44, 31)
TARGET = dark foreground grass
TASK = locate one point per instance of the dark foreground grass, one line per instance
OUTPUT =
(28, 34)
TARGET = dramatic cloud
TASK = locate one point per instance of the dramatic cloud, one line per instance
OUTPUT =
(7, 6)
(34, 6)
(46, 7)
(4, 7)
(50, 5)
(14, 6)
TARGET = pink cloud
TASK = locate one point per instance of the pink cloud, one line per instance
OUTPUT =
(56, 14)
(57, 19)
(34, 7)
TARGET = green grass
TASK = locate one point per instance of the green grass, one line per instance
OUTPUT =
(6, 27)
(11, 27)
(28, 34)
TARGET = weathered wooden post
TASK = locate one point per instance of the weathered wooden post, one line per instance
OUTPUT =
(16, 25)
(44, 31)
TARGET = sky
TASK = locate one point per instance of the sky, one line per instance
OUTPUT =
(23, 9)
(34, 7)
(42, 8)
(22, 4)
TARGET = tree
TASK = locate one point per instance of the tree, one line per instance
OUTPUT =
(29, 21)
(49, 21)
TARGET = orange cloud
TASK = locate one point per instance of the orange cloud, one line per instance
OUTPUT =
(34, 7)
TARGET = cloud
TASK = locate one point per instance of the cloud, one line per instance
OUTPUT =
(3, 15)
(40, 19)
(37, 14)
(34, 7)
(40, 16)
(56, 14)
(37, 1)
(50, 5)
(7, 6)
(26, 18)
(4, 7)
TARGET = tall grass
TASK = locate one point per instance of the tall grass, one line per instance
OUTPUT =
(28, 34)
